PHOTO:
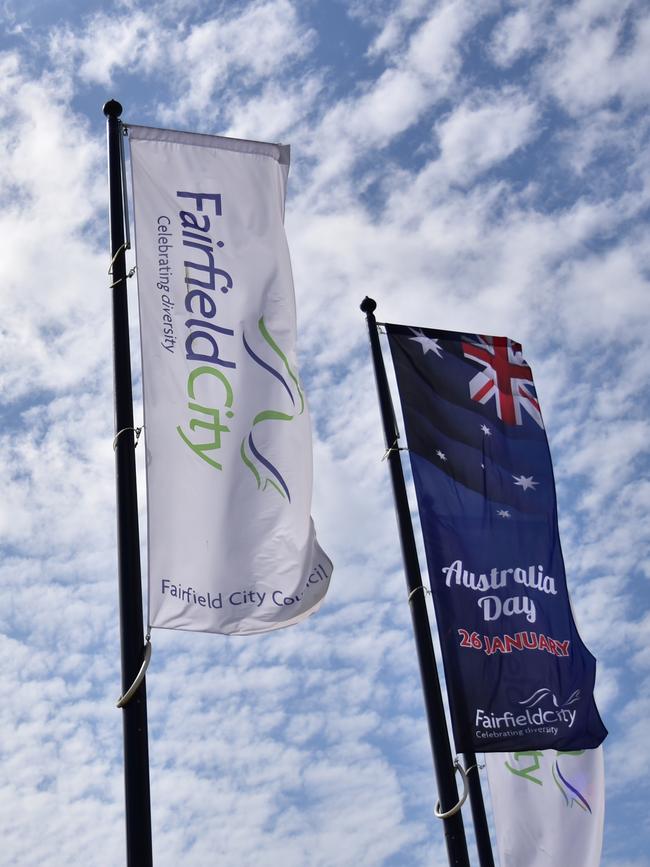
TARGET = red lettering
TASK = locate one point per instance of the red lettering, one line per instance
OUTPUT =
(515, 641)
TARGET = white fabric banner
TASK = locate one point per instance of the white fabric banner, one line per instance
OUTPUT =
(549, 807)
(232, 547)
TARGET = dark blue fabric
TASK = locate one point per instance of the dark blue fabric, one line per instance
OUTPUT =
(486, 498)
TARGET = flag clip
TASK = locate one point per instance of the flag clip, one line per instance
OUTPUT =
(393, 448)
(424, 589)
(119, 280)
(449, 813)
(131, 691)
(136, 430)
(125, 246)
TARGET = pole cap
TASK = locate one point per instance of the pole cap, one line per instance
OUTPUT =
(368, 305)
(112, 108)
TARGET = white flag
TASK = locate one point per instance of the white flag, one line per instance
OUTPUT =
(232, 547)
(549, 807)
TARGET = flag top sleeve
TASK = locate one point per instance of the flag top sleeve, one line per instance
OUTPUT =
(232, 547)
(518, 675)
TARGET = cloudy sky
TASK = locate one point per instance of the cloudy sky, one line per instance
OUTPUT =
(472, 166)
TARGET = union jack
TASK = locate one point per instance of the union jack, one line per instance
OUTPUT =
(506, 378)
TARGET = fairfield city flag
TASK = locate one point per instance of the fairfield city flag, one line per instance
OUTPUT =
(232, 547)
(518, 675)
(549, 807)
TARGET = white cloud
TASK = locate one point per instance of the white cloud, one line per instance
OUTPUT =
(51, 191)
(518, 33)
(251, 45)
(477, 136)
(392, 19)
(424, 72)
(617, 277)
(107, 43)
(435, 48)
(250, 118)
(588, 65)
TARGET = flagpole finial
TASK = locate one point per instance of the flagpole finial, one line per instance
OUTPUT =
(112, 108)
(368, 305)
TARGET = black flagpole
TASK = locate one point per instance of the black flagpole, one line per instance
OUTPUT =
(438, 733)
(481, 830)
(134, 719)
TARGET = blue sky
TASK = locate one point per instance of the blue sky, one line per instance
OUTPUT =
(472, 166)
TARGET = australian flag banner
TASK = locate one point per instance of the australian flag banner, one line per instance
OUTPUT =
(518, 675)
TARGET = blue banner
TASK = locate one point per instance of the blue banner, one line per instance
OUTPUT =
(518, 675)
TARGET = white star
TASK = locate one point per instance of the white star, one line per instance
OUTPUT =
(525, 482)
(428, 344)
(503, 513)
(441, 455)
(486, 430)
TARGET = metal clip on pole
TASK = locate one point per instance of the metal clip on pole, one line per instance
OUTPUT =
(463, 797)
(131, 691)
